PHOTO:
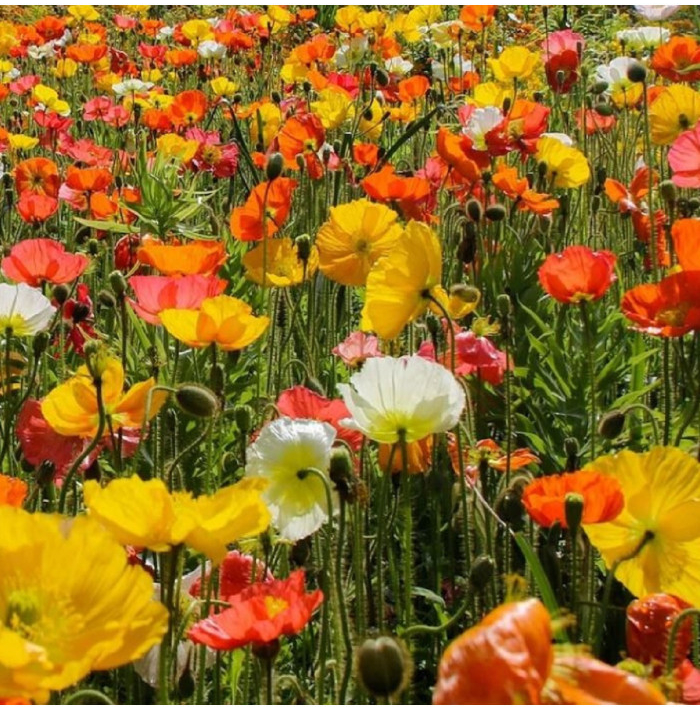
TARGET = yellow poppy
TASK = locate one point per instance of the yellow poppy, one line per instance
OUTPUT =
(656, 538)
(566, 167)
(265, 121)
(283, 267)
(83, 13)
(355, 236)
(372, 123)
(223, 320)
(65, 68)
(197, 30)
(144, 514)
(71, 604)
(514, 63)
(71, 408)
(221, 86)
(676, 109)
(175, 147)
(334, 107)
(401, 285)
(491, 94)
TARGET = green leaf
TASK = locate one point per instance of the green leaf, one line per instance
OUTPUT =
(107, 226)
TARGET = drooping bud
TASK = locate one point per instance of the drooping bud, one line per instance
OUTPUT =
(474, 210)
(481, 573)
(118, 283)
(342, 474)
(243, 416)
(275, 164)
(495, 212)
(197, 400)
(637, 72)
(668, 191)
(60, 293)
(612, 424)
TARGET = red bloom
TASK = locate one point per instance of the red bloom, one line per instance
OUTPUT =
(302, 403)
(78, 316)
(37, 260)
(578, 274)
(259, 614)
(562, 51)
(36, 208)
(236, 572)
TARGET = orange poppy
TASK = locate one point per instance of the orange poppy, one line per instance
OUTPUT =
(266, 208)
(13, 491)
(413, 88)
(88, 179)
(365, 154)
(686, 243)
(188, 108)
(477, 17)
(50, 27)
(86, 53)
(38, 176)
(464, 83)
(387, 186)
(151, 27)
(670, 308)
(180, 57)
(302, 135)
(577, 274)
(451, 148)
(419, 455)
(197, 257)
(506, 179)
(156, 119)
(36, 208)
(678, 59)
(320, 48)
(487, 452)
(544, 498)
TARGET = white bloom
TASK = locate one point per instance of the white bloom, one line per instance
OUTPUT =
(41, 51)
(283, 453)
(563, 138)
(209, 49)
(398, 65)
(131, 86)
(439, 33)
(351, 53)
(165, 33)
(24, 310)
(459, 67)
(643, 37)
(480, 123)
(615, 74)
(410, 396)
(655, 13)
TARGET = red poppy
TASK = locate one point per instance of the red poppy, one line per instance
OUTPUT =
(236, 572)
(267, 207)
(188, 108)
(259, 614)
(365, 154)
(38, 176)
(545, 498)
(670, 308)
(649, 622)
(562, 51)
(50, 27)
(302, 403)
(678, 60)
(36, 208)
(37, 260)
(577, 274)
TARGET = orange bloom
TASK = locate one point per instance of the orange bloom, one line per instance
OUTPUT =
(451, 148)
(670, 308)
(365, 154)
(13, 491)
(88, 179)
(36, 208)
(419, 454)
(387, 186)
(302, 135)
(188, 108)
(577, 274)
(476, 17)
(197, 257)
(686, 243)
(37, 175)
(86, 53)
(265, 210)
(678, 59)
(506, 179)
(180, 57)
(413, 88)
(34, 261)
(544, 498)
(487, 452)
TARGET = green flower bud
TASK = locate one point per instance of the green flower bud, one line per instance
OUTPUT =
(243, 416)
(275, 164)
(474, 210)
(495, 213)
(573, 511)
(383, 666)
(612, 424)
(118, 283)
(197, 400)
(107, 299)
(60, 293)
(481, 573)
(637, 72)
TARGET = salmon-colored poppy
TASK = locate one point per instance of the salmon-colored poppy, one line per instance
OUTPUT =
(36, 208)
(35, 261)
(38, 176)
(188, 108)
(577, 274)
(594, 122)
(545, 498)
(684, 158)
(678, 59)
(13, 491)
(411, 194)
(265, 210)
(670, 308)
(197, 257)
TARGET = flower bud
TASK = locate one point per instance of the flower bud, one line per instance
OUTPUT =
(93, 247)
(467, 294)
(637, 72)
(474, 210)
(276, 97)
(40, 343)
(571, 448)
(612, 424)
(573, 511)
(495, 212)
(243, 416)
(599, 87)
(197, 400)
(382, 78)
(107, 299)
(383, 666)
(303, 244)
(342, 474)
(466, 251)
(668, 191)
(60, 293)
(118, 283)
(481, 573)
(275, 164)
(504, 305)
(604, 109)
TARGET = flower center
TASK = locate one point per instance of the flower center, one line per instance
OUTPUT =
(274, 605)
(23, 611)
(675, 317)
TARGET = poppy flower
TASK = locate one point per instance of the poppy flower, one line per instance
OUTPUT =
(654, 542)
(675, 110)
(476, 354)
(36, 208)
(356, 348)
(302, 135)
(686, 243)
(477, 17)
(488, 452)
(157, 293)
(562, 52)
(265, 210)
(237, 571)
(37, 176)
(670, 308)
(78, 317)
(188, 108)
(506, 179)
(545, 498)
(35, 261)
(593, 122)
(222, 320)
(419, 457)
(566, 167)
(678, 59)
(71, 408)
(24, 311)
(577, 274)
(649, 622)
(196, 257)
(302, 403)
(282, 264)
(13, 491)
(356, 235)
(259, 614)
(386, 186)
(684, 159)
(451, 149)
(514, 63)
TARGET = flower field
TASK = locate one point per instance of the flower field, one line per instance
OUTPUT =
(349, 355)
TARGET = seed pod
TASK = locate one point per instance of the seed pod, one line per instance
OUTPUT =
(612, 424)
(275, 164)
(197, 400)
(481, 573)
(383, 666)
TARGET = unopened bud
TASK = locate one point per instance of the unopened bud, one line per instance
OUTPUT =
(604, 109)
(40, 343)
(599, 87)
(243, 416)
(481, 573)
(342, 474)
(275, 163)
(118, 283)
(197, 400)
(107, 299)
(495, 212)
(60, 293)
(573, 511)
(474, 210)
(303, 244)
(612, 424)
(383, 666)
(668, 191)
(504, 305)
(636, 72)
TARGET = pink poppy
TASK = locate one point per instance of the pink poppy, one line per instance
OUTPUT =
(37, 260)
(356, 348)
(97, 108)
(157, 293)
(684, 158)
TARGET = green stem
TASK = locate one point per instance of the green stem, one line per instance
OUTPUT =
(342, 608)
(590, 358)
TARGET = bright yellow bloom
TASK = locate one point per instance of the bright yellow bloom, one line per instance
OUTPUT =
(268, 117)
(221, 86)
(283, 266)
(425, 14)
(279, 16)
(349, 18)
(371, 123)
(71, 408)
(145, 514)
(223, 320)
(8, 37)
(375, 21)
(175, 147)
(404, 25)
(83, 13)
(401, 284)
(514, 63)
(19, 141)
(662, 506)
(65, 68)
(137, 9)
(152, 75)
(69, 604)
(293, 72)
(567, 167)
(197, 31)
(355, 236)
(48, 96)
(491, 94)
(334, 108)
(676, 109)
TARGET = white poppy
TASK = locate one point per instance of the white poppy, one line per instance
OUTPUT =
(481, 122)
(615, 74)
(639, 38)
(656, 13)
(131, 86)
(209, 49)
(24, 310)
(398, 65)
